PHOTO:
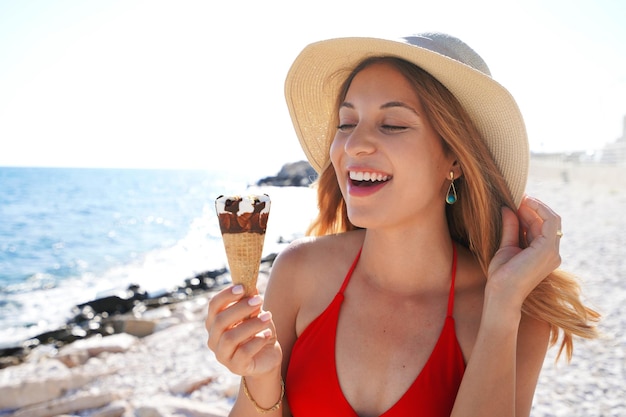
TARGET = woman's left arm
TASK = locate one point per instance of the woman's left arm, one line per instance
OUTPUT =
(510, 347)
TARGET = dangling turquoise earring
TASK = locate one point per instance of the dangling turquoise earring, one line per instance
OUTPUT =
(451, 196)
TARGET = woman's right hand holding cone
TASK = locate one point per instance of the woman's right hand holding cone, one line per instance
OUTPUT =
(241, 334)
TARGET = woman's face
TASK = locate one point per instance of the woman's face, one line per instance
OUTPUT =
(390, 163)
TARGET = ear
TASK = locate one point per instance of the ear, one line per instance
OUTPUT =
(456, 169)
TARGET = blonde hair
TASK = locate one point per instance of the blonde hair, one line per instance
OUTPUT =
(475, 220)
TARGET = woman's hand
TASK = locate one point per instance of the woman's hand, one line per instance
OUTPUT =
(515, 272)
(241, 335)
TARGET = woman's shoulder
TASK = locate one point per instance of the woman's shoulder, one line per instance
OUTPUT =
(320, 252)
(310, 271)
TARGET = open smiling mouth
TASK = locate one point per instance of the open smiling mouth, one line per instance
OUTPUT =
(368, 179)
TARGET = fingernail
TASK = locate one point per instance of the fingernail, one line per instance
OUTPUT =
(237, 289)
(255, 301)
(265, 316)
(266, 334)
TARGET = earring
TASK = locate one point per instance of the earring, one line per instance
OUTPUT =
(451, 196)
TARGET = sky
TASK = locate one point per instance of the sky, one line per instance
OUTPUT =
(199, 84)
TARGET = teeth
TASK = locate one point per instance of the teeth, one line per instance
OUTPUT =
(356, 176)
(367, 176)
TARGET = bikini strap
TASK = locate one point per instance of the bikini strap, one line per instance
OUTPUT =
(451, 296)
(349, 274)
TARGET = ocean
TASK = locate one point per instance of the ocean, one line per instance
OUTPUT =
(70, 235)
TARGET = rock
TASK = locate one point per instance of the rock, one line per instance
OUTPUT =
(165, 336)
(73, 357)
(163, 406)
(64, 335)
(204, 281)
(295, 174)
(70, 404)
(97, 344)
(157, 313)
(11, 356)
(34, 383)
(41, 352)
(115, 409)
(166, 324)
(138, 327)
(189, 385)
(113, 304)
(13, 360)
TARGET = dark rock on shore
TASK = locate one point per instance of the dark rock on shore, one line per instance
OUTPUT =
(295, 174)
(113, 304)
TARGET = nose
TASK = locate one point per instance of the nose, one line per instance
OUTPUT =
(360, 141)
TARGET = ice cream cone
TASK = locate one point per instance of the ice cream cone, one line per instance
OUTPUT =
(243, 221)
(244, 251)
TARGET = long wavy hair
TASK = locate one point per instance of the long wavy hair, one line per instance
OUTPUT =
(475, 221)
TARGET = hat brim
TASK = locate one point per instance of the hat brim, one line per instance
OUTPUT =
(313, 83)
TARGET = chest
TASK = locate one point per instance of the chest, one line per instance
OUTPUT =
(381, 348)
(374, 358)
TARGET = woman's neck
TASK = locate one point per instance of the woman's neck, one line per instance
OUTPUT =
(407, 261)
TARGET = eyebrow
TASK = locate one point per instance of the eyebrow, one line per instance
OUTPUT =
(389, 105)
(398, 104)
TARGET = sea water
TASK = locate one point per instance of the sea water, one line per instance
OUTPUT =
(70, 235)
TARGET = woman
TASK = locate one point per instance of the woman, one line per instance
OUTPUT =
(430, 287)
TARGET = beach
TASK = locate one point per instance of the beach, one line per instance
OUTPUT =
(591, 202)
(162, 366)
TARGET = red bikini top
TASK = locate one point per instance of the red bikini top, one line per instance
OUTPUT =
(312, 386)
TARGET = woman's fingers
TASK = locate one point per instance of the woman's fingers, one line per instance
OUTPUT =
(509, 243)
(238, 329)
(516, 269)
(218, 304)
(221, 301)
(539, 222)
(239, 344)
(510, 229)
(227, 309)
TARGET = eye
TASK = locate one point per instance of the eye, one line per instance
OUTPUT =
(346, 127)
(393, 128)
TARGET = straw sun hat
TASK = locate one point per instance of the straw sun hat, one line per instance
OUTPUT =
(313, 83)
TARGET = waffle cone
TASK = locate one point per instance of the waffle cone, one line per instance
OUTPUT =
(244, 251)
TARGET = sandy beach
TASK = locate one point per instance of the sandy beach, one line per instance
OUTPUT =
(591, 202)
(170, 371)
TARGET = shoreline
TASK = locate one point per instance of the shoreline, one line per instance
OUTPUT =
(165, 368)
